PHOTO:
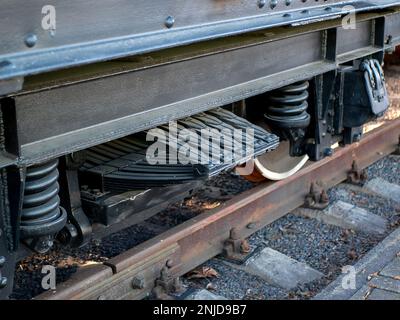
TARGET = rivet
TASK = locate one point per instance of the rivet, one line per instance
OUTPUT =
(261, 3)
(169, 22)
(101, 297)
(2, 261)
(273, 4)
(3, 282)
(288, 2)
(328, 9)
(31, 40)
(170, 263)
(287, 15)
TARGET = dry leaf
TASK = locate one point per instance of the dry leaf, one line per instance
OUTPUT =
(367, 294)
(89, 263)
(209, 206)
(203, 272)
(67, 262)
(375, 274)
(352, 254)
(245, 247)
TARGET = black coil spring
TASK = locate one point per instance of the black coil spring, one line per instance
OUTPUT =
(41, 211)
(287, 106)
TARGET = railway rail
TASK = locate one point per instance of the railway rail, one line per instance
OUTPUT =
(154, 267)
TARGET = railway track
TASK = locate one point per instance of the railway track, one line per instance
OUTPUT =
(154, 267)
(108, 180)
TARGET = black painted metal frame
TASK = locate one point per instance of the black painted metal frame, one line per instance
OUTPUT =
(56, 118)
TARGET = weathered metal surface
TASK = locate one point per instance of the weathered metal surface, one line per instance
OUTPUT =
(352, 39)
(42, 37)
(134, 96)
(11, 189)
(197, 240)
(93, 112)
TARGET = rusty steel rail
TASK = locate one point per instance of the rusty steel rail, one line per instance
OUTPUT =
(155, 263)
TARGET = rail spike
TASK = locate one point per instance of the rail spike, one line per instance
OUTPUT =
(317, 198)
(356, 176)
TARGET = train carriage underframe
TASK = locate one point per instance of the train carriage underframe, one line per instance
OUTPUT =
(71, 136)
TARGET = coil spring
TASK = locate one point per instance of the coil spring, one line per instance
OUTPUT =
(287, 107)
(41, 212)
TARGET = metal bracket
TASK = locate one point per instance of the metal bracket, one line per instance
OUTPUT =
(317, 198)
(78, 230)
(236, 249)
(356, 176)
(323, 115)
(10, 85)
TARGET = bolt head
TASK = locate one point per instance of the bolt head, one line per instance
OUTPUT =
(138, 283)
(31, 40)
(328, 152)
(273, 4)
(357, 138)
(261, 3)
